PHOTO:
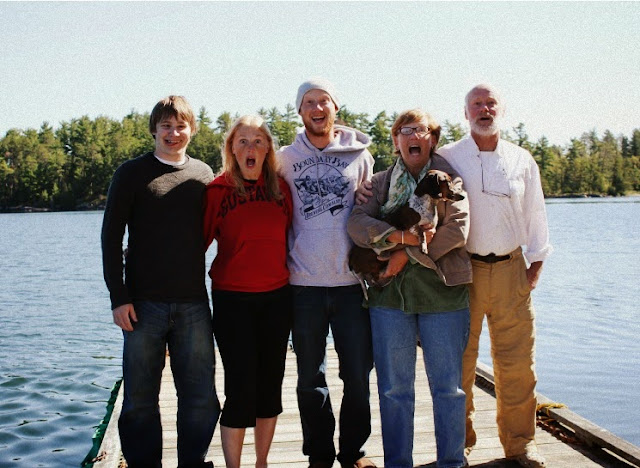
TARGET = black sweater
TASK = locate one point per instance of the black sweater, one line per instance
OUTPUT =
(161, 205)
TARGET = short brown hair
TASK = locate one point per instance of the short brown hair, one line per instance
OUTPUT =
(269, 167)
(417, 115)
(173, 106)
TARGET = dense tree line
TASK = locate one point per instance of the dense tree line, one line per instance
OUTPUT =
(71, 167)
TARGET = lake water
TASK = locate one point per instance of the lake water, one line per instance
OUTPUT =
(60, 353)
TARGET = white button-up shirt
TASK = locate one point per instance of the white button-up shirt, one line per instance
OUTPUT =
(506, 203)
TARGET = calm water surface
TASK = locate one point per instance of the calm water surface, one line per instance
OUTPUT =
(60, 353)
(588, 312)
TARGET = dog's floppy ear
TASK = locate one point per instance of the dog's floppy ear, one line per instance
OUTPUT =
(429, 185)
(444, 184)
(447, 189)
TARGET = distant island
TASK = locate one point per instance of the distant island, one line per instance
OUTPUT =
(70, 168)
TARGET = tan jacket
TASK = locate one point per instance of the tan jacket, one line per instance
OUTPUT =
(447, 254)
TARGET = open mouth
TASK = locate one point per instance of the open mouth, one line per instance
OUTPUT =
(318, 119)
(251, 162)
(414, 149)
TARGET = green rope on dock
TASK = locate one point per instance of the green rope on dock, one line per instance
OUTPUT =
(546, 407)
(98, 435)
(552, 426)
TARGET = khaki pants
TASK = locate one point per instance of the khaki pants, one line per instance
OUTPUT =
(500, 292)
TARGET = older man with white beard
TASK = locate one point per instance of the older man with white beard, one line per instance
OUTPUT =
(508, 231)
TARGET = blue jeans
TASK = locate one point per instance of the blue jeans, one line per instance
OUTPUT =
(315, 309)
(443, 337)
(186, 329)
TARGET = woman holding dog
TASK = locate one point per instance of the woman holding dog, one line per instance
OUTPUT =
(426, 300)
(248, 211)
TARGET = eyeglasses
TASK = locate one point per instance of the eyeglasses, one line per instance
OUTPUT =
(419, 131)
(497, 182)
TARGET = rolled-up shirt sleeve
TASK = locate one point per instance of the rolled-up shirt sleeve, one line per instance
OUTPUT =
(537, 246)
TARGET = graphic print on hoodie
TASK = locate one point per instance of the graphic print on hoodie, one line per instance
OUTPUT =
(323, 183)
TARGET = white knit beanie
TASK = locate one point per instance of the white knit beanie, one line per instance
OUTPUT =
(316, 83)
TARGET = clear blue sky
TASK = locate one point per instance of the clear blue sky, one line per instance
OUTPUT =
(563, 68)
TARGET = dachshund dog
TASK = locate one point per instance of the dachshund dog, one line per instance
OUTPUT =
(417, 215)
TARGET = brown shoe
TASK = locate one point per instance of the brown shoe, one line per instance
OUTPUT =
(529, 460)
(364, 463)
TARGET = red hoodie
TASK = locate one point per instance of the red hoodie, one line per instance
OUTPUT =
(251, 234)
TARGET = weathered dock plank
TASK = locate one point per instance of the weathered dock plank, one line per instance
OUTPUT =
(560, 450)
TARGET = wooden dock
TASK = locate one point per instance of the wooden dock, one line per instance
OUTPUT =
(566, 440)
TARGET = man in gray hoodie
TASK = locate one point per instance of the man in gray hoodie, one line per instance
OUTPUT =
(324, 166)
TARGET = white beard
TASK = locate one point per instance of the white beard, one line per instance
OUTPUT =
(481, 130)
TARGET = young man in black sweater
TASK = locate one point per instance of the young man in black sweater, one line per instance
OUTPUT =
(162, 301)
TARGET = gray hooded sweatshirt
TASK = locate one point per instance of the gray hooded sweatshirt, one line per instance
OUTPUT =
(323, 184)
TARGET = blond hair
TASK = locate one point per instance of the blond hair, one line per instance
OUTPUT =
(230, 166)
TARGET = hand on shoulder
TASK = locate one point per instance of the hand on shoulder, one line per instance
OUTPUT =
(364, 192)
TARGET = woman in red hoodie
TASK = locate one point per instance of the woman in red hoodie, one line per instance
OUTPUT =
(248, 212)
